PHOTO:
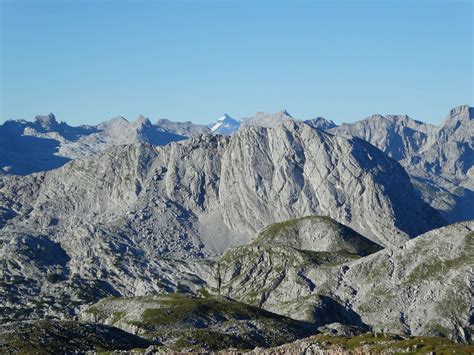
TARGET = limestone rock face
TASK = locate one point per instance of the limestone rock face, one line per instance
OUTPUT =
(399, 136)
(293, 170)
(424, 286)
(262, 119)
(440, 160)
(139, 219)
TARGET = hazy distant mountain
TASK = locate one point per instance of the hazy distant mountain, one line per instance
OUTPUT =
(28, 147)
(187, 128)
(320, 123)
(225, 125)
(118, 131)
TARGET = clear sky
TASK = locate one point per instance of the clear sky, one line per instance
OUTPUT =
(88, 61)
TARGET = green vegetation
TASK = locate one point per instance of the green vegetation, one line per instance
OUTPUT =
(436, 268)
(273, 230)
(177, 309)
(198, 339)
(64, 337)
(194, 323)
(389, 343)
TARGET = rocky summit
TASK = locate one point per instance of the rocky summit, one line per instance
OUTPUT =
(268, 234)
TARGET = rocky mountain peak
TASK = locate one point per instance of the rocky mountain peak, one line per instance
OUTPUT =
(225, 125)
(284, 112)
(225, 117)
(320, 123)
(142, 121)
(459, 115)
(115, 121)
(263, 119)
(47, 121)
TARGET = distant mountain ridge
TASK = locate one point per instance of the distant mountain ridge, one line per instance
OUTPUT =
(29, 147)
(439, 159)
(225, 125)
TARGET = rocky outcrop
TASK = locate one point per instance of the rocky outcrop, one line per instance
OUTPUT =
(367, 343)
(438, 159)
(200, 323)
(267, 120)
(316, 233)
(421, 288)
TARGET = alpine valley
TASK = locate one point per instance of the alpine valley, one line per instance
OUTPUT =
(266, 234)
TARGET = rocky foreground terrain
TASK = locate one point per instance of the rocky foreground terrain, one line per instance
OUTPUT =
(281, 236)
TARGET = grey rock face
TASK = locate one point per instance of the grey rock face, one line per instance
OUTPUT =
(262, 119)
(124, 221)
(440, 160)
(421, 288)
(293, 170)
(433, 278)
(398, 136)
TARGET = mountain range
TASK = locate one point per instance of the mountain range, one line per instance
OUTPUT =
(242, 233)
(438, 159)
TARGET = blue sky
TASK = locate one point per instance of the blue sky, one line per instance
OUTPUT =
(88, 61)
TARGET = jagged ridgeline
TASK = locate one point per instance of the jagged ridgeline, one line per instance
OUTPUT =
(256, 239)
(437, 158)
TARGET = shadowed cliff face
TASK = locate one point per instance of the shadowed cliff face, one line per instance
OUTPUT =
(439, 159)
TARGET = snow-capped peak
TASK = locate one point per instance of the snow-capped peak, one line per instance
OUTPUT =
(224, 118)
(225, 125)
